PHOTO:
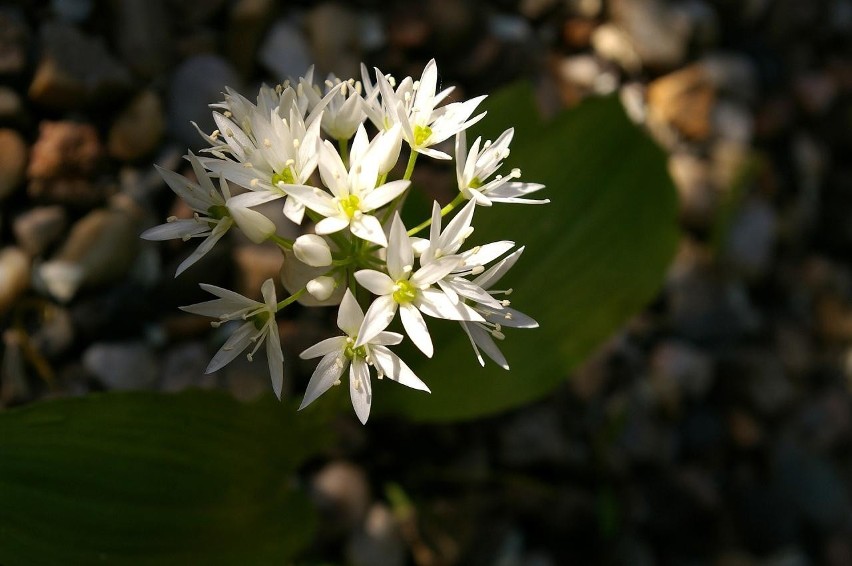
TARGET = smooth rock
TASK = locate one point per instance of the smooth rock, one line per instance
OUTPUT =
(249, 20)
(534, 438)
(13, 161)
(76, 11)
(142, 35)
(75, 70)
(38, 228)
(613, 44)
(122, 366)
(698, 197)
(196, 83)
(55, 333)
(138, 129)
(14, 43)
(585, 8)
(100, 248)
(255, 264)
(334, 33)
(285, 52)
(679, 370)
(14, 276)
(11, 106)
(658, 33)
(183, 366)
(683, 101)
(750, 243)
(379, 541)
(342, 493)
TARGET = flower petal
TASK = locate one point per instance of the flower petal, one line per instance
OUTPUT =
(328, 371)
(394, 368)
(383, 194)
(400, 255)
(349, 316)
(274, 357)
(416, 329)
(368, 227)
(376, 282)
(435, 303)
(232, 347)
(324, 347)
(183, 228)
(360, 389)
(378, 317)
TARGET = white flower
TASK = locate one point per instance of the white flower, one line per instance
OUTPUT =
(409, 291)
(215, 213)
(259, 327)
(341, 352)
(474, 168)
(448, 242)
(413, 106)
(481, 334)
(354, 194)
(312, 250)
(344, 111)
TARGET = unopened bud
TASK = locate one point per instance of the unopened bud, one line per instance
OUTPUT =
(312, 250)
(322, 287)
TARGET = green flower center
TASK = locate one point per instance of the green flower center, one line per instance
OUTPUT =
(475, 183)
(421, 134)
(218, 211)
(351, 353)
(404, 291)
(260, 319)
(350, 205)
(285, 177)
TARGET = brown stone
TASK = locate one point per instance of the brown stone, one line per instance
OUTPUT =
(137, 131)
(13, 161)
(683, 100)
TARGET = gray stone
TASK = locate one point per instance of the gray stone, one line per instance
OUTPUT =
(285, 52)
(379, 541)
(14, 276)
(142, 36)
(751, 238)
(38, 228)
(122, 365)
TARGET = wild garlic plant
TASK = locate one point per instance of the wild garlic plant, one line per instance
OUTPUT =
(307, 145)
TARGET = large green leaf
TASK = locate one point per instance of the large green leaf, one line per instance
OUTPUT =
(145, 478)
(594, 256)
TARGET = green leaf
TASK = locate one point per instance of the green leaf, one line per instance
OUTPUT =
(146, 478)
(594, 256)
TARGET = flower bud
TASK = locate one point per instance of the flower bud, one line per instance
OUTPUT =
(312, 250)
(257, 227)
(386, 148)
(322, 287)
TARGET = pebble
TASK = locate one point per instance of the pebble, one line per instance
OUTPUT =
(285, 52)
(613, 44)
(138, 129)
(14, 276)
(11, 106)
(698, 196)
(40, 227)
(255, 264)
(684, 101)
(342, 493)
(534, 438)
(142, 35)
(13, 161)
(750, 242)
(657, 32)
(183, 366)
(678, 369)
(76, 11)
(100, 248)
(75, 70)
(379, 541)
(122, 366)
(14, 42)
(334, 32)
(249, 20)
(55, 333)
(197, 82)
(14, 387)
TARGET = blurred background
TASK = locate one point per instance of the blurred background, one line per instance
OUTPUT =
(712, 427)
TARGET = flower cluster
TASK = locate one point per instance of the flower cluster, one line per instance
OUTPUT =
(329, 153)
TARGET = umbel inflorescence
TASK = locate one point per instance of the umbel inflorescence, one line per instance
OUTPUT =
(307, 146)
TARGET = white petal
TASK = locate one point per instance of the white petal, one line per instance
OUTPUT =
(349, 316)
(435, 303)
(376, 282)
(312, 250)
(400, 255)
(176, 229)
(294, 210)
(274, 357)
(483, 339)
(438, 269)
(394, 368)
(360, 389)
(508, 317)
(378, 317)
(232, 347)
(453, 236)
(316, 199)
(205, 246)
(331, 225)
(324, 347)
(386, 338)
(383, 194)
(493, 274)
(328, 371)
(487, 253)
(321, 288)
(416, 329)
(368, 227)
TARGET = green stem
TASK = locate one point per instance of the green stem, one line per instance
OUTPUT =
(283, 243)
(444, 211)
(291, 299)
(409, 169)
(397, 202)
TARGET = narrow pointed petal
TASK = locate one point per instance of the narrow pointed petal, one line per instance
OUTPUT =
(369, 228)
(360, 389)
(493, 274)
(416, 329)
(232, 347)
(378, 317)
(331, 225)
(394, 368)
(483, 340)
(376, 282)
(383, 194)
(316, 199)
(473, 345)
(438, 269)
(324, 347)
(349, 316)
(436, 304)
(206, 245)
(257, 227)
(182, 228)
(328, 371)
(386, 338)
(453, 236)
(400, 255)
(508, 317)
(275, 358)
